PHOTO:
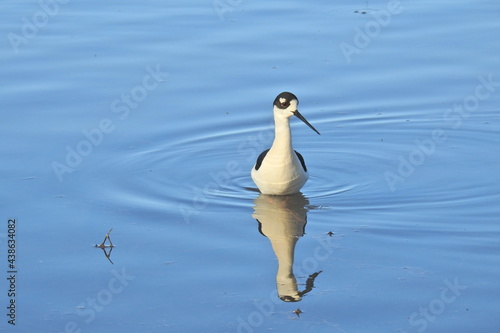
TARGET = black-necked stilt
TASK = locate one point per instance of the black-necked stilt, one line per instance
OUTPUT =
(281, 170)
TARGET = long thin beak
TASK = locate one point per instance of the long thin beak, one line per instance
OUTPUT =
(301, 117)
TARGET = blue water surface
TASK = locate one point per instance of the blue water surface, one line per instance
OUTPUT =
(146, 118)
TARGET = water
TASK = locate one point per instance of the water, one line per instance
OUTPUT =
(147, 117)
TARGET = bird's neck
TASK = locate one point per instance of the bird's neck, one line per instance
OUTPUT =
(282, 135)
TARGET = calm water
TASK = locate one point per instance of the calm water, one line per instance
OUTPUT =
(147, 118)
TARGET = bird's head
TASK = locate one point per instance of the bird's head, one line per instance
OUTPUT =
(286, 106)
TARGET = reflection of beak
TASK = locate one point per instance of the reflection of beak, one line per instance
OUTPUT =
(301, 117)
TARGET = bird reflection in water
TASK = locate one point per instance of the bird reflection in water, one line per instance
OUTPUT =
(282, 219)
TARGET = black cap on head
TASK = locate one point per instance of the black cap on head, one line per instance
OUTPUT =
(287, 97)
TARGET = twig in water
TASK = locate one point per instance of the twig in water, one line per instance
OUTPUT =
(103, 245)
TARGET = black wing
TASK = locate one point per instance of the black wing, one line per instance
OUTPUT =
(260, 159)
(301, 159)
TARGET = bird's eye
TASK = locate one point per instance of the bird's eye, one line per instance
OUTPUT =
(283, 103)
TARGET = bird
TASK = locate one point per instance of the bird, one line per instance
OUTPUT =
(280, 170)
